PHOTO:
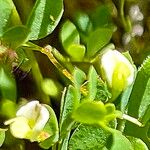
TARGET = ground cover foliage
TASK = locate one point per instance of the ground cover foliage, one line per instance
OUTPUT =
(74, 75)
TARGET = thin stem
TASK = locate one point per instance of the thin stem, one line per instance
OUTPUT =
(131, 119)
(59, 145)
(120, 125)
(54, 147)
(47, 51)
(37, 76)
(122, 2)
(106, 128)
(63, 142)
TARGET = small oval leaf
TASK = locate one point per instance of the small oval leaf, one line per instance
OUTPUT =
(97, 40)
(44, 18)
(2, 136)
(69, 35)
(15, 36)
(90, 112)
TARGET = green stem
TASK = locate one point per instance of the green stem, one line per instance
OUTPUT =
(122, 2)
(63, 143)
(54, 147)
(47, 51)
(37, 76)
(59, 145)
(121, 125)
(131, 119)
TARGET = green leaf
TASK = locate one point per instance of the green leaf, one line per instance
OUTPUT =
(69, 35)
(23, 61)
(69, 103)
(8, 14)
(51, 87)
(138, 106)
(2, 136)
(64, 145)
(63, 99)
(141, 132)
(8, 113)
(101, 16)
(7, 84)
(97, 40)
(52, 129)
(5, 12)
(90, 112)
(62, 59)
(137, 144)
(79, 78)
(92, 83)
(44, 18)
(139, 99)
(146, 116)
(95, 113)
(119, 141)
(88, 137)
(76, 52)
(128, 56)
(83, 22)
(15, 36)
(145, 103)
(125, 98)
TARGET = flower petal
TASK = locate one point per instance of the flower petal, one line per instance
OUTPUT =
(20, 128)
(42, 119)
(108, 64)
(30, 110)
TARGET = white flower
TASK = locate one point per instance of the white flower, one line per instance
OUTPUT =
(117, 71)
(126, 38)
(29, 122)
(135, 13)
(137, 30)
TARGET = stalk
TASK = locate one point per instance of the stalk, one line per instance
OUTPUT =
(38, 78)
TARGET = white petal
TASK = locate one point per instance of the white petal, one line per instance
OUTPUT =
(110, 60)
(42, 119)
(108, 64)
(30, 110)
(124, 60)
(20, 128)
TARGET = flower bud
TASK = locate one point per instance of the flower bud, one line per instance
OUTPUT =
(117, 71)
(29, 122)
(135, 13)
